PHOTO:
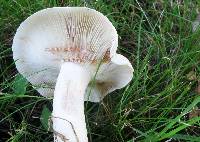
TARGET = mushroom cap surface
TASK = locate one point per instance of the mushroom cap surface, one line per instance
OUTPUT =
(81, 35)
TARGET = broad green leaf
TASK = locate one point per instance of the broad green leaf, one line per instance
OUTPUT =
(44, 118)
(19, 85)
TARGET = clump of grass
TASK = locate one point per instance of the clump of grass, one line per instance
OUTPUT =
(157, 38)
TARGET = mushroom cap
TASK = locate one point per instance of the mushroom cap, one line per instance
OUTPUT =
(196, 23)
(81, 35)
(111, 76)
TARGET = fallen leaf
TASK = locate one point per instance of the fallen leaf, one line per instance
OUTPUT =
(191, 76)
(194, 113)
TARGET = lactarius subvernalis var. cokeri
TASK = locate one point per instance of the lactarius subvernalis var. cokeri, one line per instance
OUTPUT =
(61, 51)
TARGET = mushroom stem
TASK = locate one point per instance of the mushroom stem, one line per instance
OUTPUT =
(68, 104)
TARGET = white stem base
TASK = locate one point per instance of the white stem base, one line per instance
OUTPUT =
(68, 104)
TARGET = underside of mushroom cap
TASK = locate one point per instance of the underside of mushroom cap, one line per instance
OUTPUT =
(111, 76)
(55, 35)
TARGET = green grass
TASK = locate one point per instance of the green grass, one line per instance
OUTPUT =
(157, 38)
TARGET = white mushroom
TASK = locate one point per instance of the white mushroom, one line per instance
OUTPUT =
(59, 51)
(196, 23)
